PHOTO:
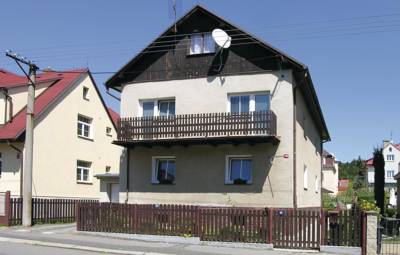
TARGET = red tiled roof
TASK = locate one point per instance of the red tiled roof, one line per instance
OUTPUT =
(63, 80)
(114, 116)
(343, 184)
(370, 162)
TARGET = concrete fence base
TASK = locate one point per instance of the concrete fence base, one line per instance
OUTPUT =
(341, 250)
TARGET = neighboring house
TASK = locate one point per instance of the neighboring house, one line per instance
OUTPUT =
(247, 131)
(343, 185)
(330, 173)
(73, 135)
(391, 153)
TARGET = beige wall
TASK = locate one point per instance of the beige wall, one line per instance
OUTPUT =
(308, 150)
(211, 95)
(11, 167)
(20, 95)
(330, 178)
(57, 147)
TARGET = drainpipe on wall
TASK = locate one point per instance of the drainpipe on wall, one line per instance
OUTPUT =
(294, 149)
(21, 158)
(127, 174)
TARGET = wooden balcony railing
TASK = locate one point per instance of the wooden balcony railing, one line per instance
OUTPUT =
(196, 126)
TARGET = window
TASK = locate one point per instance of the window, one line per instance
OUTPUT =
(316, 184)
(86, 93)
(108, 169)
(238, 170)
(201, 43)
(84, 126)
(390, 174)
(249, 102)
(305, 177)
(390, 149)
(157, 108)
(108, 131)
(166, 108)
(83, 171)
(1, 163)
(163, 170)
(390, 157)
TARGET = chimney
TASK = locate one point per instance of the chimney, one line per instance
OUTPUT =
(386, 142)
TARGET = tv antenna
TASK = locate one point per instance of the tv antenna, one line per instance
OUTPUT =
(223, 40)
(174, 9)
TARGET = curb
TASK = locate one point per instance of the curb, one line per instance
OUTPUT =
(76, 247)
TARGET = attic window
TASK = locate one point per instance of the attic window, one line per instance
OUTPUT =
(201, 43)
(86, 93)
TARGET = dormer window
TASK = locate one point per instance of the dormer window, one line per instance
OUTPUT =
(201, 43)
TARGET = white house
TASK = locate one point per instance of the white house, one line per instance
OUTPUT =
(391, 153)
(330, 173)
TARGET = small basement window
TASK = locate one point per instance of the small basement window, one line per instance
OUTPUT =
(201, 43)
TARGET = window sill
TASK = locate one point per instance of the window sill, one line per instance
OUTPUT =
(109, 135)
(86, 138)
(162, 184)
(83, 182)
(238, 184)
(200, 54)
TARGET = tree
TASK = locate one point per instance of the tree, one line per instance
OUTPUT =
(355, 171)
(379, 185)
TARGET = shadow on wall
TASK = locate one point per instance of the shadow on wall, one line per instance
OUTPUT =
(201, 169)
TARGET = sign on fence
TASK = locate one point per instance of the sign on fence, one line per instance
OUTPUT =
(2, 204)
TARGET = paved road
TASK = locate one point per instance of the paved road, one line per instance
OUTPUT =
(16, 249)
(66, 235)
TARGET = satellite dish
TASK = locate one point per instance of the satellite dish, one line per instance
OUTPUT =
(221, 38)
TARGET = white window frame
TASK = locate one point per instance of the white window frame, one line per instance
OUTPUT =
(252, 102)
(155, 103)
(305, 177)
(90, 125)
(202, 42)
(316, 184)
(81, 169)
(228, 159)
(392, 157)
(154, 160)
(387, 174)
(109, 131)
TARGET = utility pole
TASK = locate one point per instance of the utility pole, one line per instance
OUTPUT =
(28, 157)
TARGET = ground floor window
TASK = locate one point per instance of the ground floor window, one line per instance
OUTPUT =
(238, 170)
(164, 170)
(83, 171)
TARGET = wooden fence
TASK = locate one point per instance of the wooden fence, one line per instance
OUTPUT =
(343, 228)
(44, 210)
(285, 228)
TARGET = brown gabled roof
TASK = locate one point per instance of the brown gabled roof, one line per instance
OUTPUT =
(306, 87)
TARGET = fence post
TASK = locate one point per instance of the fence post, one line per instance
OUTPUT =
(322, 241)
(77, 216)
(371, 237)
(270, 224)
(7, 209)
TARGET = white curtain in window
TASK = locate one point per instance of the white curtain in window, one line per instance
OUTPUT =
(196, 44)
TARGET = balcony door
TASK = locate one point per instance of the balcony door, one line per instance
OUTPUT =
(249, 111)
(157, 118)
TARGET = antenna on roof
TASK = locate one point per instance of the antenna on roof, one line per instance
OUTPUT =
(174, 9)
(223, 40)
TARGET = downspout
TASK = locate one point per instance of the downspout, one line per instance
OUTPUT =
(294, 148)
(127, 174)
(22, 166)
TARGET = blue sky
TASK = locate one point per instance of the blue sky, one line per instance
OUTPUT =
(351, 47)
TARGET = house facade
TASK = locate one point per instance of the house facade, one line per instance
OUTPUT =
(73, 134)
(391, 153)
(237, 127)
(330, 173)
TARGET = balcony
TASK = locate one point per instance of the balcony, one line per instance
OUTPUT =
(202, 128)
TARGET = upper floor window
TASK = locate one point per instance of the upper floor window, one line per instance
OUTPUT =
(305, 177)
(249, 102)
(158, 108)
(239, 170)
(316, 185)
(84, 126)
(108, 131)
(163, 170)
(86, 93)
(390, 157)
(1, 163)
(390, 149)
(83, 171)
(201, 43)
(390, 174)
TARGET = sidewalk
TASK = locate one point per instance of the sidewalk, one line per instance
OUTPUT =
(65, 236)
